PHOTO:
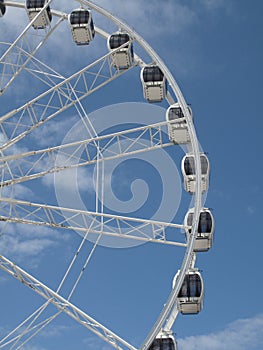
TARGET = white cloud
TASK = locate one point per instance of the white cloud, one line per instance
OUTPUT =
(17, 191)
(48, 132)
(242, 334)
(251, 209)
(30, 241)
(3, 279)
(153, 20)
(211, 5)
(96, 344)
(33, 347)
(56, 331)
(161, 17)
(67, 180)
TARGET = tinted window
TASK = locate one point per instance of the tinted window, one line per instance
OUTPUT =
(117, 40)
(175, 113)
(79, 17)
(205, 223)
(152, 74)
(204, 165)
(35, 3)
(191, 286)
(184, 289)
(194, 285)
(189, 166)
(190, 219)
(92, 25)
(163, 344)
(2, 8)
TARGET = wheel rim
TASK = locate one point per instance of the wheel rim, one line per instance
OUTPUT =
(66, 90)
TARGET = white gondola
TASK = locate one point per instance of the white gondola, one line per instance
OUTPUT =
(205, 232)
(2, 8)
(191, 294)
(189, 173)
(81, 26)
(154, 83)
(123, 58)
(164, 341)
(177, 127)
(33, 7)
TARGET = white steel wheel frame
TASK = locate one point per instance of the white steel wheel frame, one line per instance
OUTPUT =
(169, 312)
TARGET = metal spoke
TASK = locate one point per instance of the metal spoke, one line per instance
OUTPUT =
(34, 164)
(23, 212)
(36, 314)
(64, 305)
(16, 124)
(18, 164)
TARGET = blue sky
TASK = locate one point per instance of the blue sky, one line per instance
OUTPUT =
(214, 49)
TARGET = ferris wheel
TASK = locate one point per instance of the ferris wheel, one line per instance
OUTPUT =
(48, 91)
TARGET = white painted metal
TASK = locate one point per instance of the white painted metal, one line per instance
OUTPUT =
(27, 166)
(14, 210)
(124, 57)
(60, 97)
(82, 29)
(20, 49)
(28, 329)
(186, 302)
(177, 127)
(40, 17)
(204, 238)
(30, 119)
(154, 90)
(63, 304)
(169, 306)
(189, 173)
(164, 341)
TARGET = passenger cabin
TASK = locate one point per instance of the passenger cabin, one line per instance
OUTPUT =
(205, 231)
(191, 294)
(189, 173)
(164, 342)
(153, 83)
(33, 7)
(123, 58)
(2, 8)
(177, 127)
(81, 26)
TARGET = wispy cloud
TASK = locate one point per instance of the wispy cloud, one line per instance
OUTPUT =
(251, 210)
(57, 330)
(242, 334)
(27, 241)
(34, 347)
(211, 5)
(49, 132)
(96, 344)
(162, 17)
(70, 180)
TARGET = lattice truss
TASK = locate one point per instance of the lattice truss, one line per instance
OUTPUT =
(18, 167)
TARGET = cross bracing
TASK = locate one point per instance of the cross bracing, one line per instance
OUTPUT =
(23, 212)
(64, 305)
(22, 49)
(34, 164)
(30, 64)
(18, 123)
(18, 55)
